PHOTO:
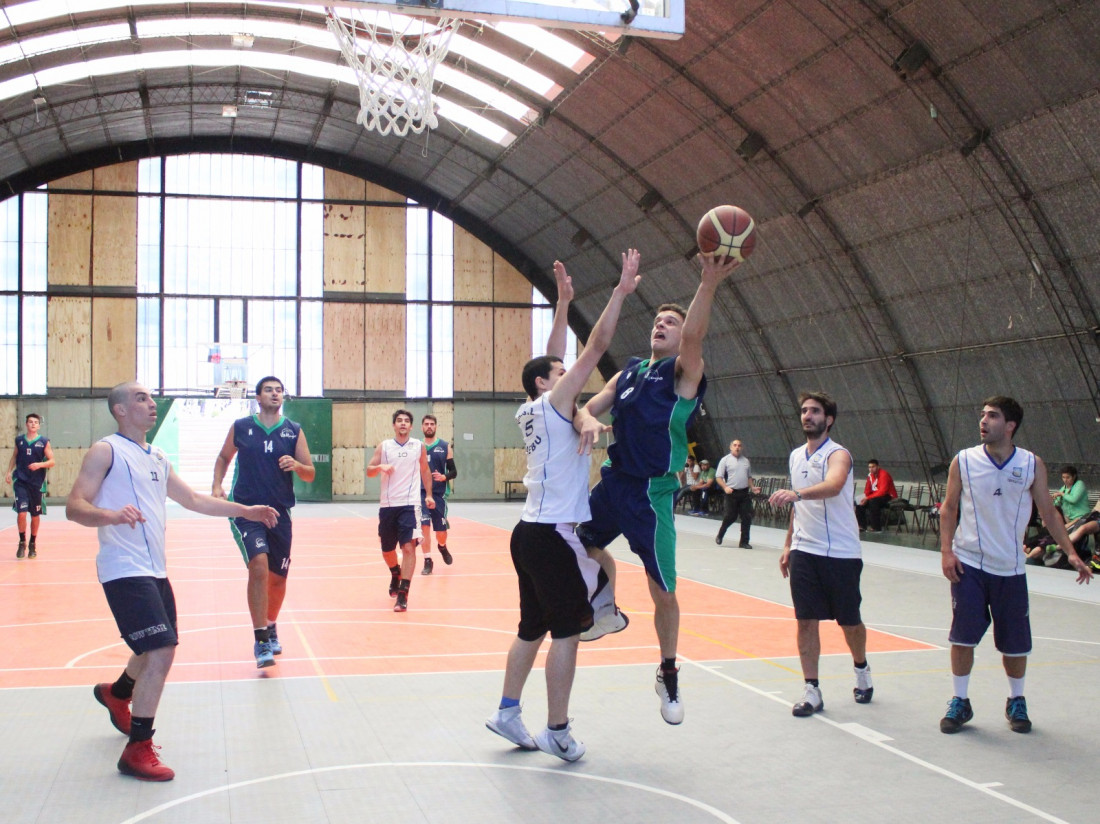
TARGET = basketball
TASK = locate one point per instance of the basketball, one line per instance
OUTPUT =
(727, 231)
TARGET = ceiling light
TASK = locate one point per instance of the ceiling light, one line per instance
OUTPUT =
(243, 41)
(229, 111)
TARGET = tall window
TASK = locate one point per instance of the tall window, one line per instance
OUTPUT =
(429, 314)
(23, 224)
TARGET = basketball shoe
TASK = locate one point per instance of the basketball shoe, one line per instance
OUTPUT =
(447, 559)
(668, 689)
(1016, 713)
(139, 759)
(32, 550)
(508, 723)
(402, 603)
(22, 550)
(560, 743)
(958, 713)
(863, 689)
(119, 708)
(273, 640)
(811, 702)
(606, 624)
(429, 564)
(264, 656)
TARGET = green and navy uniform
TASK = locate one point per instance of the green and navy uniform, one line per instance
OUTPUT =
(27, 484)
(634, 497)
(258, 480)
(437, 462)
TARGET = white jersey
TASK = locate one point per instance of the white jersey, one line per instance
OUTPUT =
(557, 477)
(139, 477)
(402, 486)
(995, 508)
(823, 527)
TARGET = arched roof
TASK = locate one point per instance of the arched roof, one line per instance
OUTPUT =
(924, 176)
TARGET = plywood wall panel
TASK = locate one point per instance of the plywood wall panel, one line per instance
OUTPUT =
(374, 192)
(348, 471)
(114, 341)
(340, 186)
(70, 240)
(68, 346)
(9, 428)
(509, 286)
(66, 467)
(114, 240)
(509, 464)
(118, 177)
(473, 338)
(473, 267)
(348, 425)
(344, 247)
(385, 249)
(511, 348)
(343, 342)
(81, 180)
(384, 340)
(445, 421)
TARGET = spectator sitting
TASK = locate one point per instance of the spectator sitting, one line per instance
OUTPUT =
(878, 491)
(1073, 498)
(688, 477)
(1079, 531)
(701, 489)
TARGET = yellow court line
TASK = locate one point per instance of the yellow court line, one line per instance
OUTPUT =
(316, 663)
(745, 653)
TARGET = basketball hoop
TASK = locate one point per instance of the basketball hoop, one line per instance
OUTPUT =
(394, 58)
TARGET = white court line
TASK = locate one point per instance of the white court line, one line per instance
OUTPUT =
(876, 739)
(560, 772)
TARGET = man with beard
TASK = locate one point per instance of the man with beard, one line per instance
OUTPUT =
(821, 555)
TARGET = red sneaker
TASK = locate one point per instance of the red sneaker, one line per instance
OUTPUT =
(119, 708)
(139, 759)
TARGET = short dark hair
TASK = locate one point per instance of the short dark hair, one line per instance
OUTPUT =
(1010, 408)
(269, 379)
(873, 460)
(1069, 469)
(823, 398)
(536, 368)
(38, 418)
(672, 307)
(400, 412)
(430, 417)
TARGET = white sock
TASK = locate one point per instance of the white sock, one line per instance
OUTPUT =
(962, 685)
(1015, 687)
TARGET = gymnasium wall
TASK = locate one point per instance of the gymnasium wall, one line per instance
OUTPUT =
(92, 342)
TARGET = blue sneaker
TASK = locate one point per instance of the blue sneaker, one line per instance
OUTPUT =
(273, 639)
(1016, 713)
(958, 713)
(264, 656)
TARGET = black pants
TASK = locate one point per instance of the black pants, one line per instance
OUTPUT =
(871, 511)
(738, 505)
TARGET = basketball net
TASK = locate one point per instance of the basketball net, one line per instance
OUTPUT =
(394, 58)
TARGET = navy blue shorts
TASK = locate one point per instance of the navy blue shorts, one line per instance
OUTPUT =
(28, 498)
(556, 580)
(254, 538)
(145, 612)
(639, 509)
(979, 599)
(825, 589)
(397, 526)
(436, 517)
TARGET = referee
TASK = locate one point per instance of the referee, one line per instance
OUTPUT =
(735, 477)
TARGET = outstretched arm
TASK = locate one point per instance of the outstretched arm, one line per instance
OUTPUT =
(188, 498)
(555, 346)
(689, 365)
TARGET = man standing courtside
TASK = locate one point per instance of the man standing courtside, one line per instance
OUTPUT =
(441, 464)
(822, 555)
(403, 464)
(734, 476)
(557, 578)
(121, 489)
(33, 455)
(269, 447)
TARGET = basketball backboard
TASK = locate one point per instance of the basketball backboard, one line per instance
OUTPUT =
(652, 18)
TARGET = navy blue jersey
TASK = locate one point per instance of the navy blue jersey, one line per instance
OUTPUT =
(258, 478)
(437, 462)
(650, 420)
(26, 453)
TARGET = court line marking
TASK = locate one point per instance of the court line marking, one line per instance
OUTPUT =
(874, 738)
(315, 662)
(561, 772)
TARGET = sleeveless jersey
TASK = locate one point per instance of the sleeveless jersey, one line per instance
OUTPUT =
(402, 487)
(258, 478)
(828, 526)
(650, 420)
(138, 476)
(26, 453)
(557, 477)
(437, 462)
(994, 510)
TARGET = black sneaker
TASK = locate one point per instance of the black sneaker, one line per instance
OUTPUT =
(429, 564)
(958, 713)
(718, 540)
(19, 553)
(32, 552)
(395, 582)
(447, 559)
(745, 545)
(402, 602)
(1016, 713)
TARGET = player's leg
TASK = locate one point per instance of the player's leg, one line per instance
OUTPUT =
(1012, 636)
(21, 507)
(970, 619)
(841, 576)
(407, 525)
(811, 606)
(389, 538)
(595, 535)
(278, 570)
(35, 511)
(254, 544)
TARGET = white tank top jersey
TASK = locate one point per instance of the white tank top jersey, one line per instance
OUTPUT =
(402, 486)
(994, 510)
(138, 476)
(824, 527)
(557, 477)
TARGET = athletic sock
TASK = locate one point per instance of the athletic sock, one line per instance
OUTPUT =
(861, 664)
(813, 682)
(1015, 687)
(396, 570)
(22, 536)
(559, 727)
(668, 663)
(506, 702)
(124, 687)
(261, 635)
(962, 685)
(141, 729)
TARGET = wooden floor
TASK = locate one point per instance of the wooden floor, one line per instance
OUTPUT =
(371, 715)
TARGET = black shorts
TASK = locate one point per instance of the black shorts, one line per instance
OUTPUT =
(556, 579)
(254, 538)
(397, 526)
(144, 610)
(436, 517)
(825, 589)
(28, 498)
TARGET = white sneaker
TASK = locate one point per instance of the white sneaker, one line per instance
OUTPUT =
(864, 689)
(507, 723)
(606, 624)
(560, 743)
(672, 707)
(811, 702)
